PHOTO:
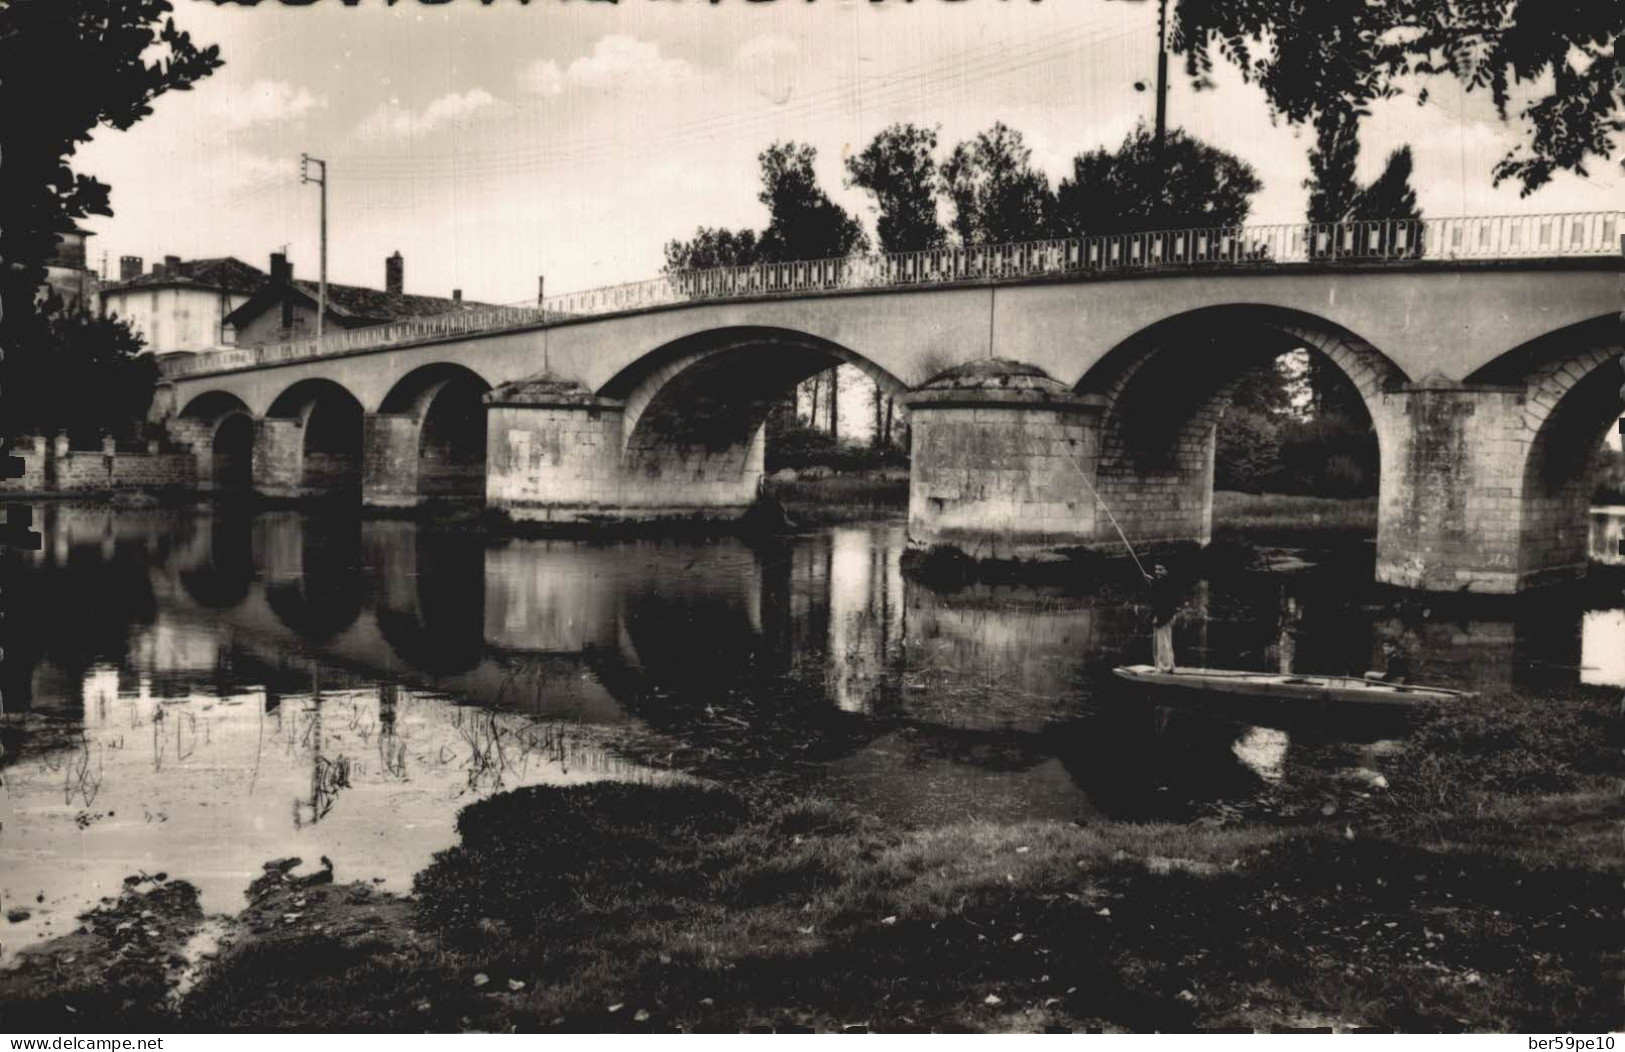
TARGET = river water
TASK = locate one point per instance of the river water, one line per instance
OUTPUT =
(199, 692)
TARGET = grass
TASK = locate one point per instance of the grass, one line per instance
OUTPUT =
(1289, 513)
(1478, 891)
(844, 497)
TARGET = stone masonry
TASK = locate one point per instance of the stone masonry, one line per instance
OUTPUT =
(1002, 461)
(1452, 488)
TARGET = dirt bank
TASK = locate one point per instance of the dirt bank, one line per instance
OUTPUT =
(1472, 886)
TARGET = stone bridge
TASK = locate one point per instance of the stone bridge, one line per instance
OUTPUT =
(1045, 382)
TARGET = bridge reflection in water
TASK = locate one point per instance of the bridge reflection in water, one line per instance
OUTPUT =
(276, 684)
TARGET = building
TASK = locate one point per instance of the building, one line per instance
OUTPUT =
(181, 306)
(67, 274)
(284, 308)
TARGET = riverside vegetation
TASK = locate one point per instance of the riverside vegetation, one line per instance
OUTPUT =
(1467, 881)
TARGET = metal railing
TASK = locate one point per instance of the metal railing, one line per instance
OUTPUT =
(1472, 238)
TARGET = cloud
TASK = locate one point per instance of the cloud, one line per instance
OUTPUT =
(394, 121)
(617, 63)
(263, 102)
(768, 64)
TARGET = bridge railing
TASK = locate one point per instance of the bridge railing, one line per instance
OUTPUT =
(1476, 238)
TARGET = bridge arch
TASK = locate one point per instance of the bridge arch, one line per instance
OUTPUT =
(696, 408)
(220, 428)
(1167, 387)
(1571, 400)
(311, 440)
(429, 436)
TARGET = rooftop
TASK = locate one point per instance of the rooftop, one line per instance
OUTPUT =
(226, 273)
(364, 304)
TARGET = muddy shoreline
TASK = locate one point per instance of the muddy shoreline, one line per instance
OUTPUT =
(1473, 887)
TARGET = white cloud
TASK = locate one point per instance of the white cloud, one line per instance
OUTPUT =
(768, 65)
(263, 102)
(542, 77)
(394, 121)
(617, 63)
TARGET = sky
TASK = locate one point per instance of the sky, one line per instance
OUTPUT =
(492, 145)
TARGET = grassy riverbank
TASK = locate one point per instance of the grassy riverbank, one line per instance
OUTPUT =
(1281, 512)
(857, 496)
(1477, 890)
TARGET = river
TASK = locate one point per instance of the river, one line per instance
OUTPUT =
(197, 692)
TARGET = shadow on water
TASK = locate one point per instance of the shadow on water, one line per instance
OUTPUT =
(359, 677)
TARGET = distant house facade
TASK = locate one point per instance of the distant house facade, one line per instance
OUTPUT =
(182, 305)
(284, 308)
(68, 275)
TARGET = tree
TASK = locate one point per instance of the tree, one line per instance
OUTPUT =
(997, 194)
(84, 375)
(1136, 187)
(899, 169)
(67, 69)
(105, 62)
(1331, 183)
(1336, 197)
(1325, 63)
(803, 223)
(713, 247)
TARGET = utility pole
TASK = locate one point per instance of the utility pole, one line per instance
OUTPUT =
(1162, 72)
(305, 161)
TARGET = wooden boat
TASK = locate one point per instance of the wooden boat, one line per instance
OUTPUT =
(1285, 686)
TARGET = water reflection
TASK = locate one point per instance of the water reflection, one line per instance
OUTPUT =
(209, 691)
(213, 783)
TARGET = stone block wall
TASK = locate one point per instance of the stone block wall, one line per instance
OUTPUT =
(694, 479)
(1450, 514)
(1162, 495)
(1572, 405)
(1002, 481)
(279, 458)
(56, 469)
(565, 463)
(389, 460)
(554, 463)
(33, 477)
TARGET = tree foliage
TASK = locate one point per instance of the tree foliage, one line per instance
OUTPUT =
(1136, 187)
(1335, 195)
(899, 169)
(1325, 62)
(66, 69)
(713, 247)
(803, 223)
(996, 192)
(84, 375)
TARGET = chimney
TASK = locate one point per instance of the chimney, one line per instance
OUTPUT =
(457, 296)
(129, 267)
(282, 274)
(395, 274)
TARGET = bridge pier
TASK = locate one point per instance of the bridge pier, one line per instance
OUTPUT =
(278, 465)
(1003, 461)
(390, 460)
(553, 452)
(556, 452)
(1450, 517)
(197, 435)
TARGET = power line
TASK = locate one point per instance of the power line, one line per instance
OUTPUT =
(734, 123)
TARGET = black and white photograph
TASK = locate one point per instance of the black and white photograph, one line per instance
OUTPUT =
(891, 517)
